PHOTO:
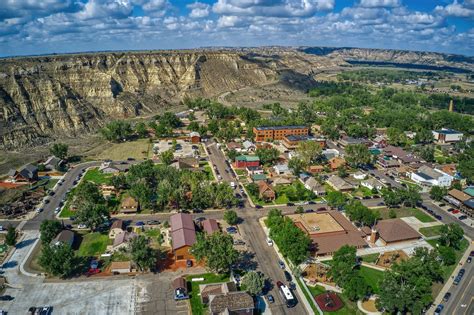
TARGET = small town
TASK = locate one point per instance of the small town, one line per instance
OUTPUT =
(231, 217)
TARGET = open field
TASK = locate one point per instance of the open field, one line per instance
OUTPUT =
(138, 149)
(93, 244)
(372, 276)
(431, 231)
(407, 212)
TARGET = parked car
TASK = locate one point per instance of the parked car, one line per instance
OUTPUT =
(231, 230)
(447, 296)
(309, 210)
(197, 210)
(139, 223)
(292, 285)
(311, 202)
(57, 210)
(451, 209)
(469, 260)
(455, 211)
(6, 298)
(189, 263)
(239, 242)
(287, 276)
(82, 226)
(270, 298)
(463, 217)
(152, 222)
(290, 204)
(269, 242)
(258, 207)
(439, 309)
(281, 264)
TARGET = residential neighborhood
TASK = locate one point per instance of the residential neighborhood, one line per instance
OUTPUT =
(253, 219)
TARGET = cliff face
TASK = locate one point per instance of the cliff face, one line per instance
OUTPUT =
(44, 98)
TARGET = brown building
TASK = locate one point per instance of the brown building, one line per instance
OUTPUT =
(265, 191)
(278, 132)
(292, 141)
(128, 205)
(210, 226)
(183, 235)
(328, 230)
(392, 231)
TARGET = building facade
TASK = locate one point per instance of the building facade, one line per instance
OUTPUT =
(278, 132)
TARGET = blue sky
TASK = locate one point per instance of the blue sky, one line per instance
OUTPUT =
(57, 26)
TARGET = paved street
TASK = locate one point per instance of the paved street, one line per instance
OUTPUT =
(461, 301)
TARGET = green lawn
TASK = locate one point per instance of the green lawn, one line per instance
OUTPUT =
(371, 258)
(363, 192)
(240, 171)
(96, 176)
(207, 169)
(372, 276)
(51, 183)
(196, 306)
(407, 212)
(308, 297)
(431, 231)
(93, 244)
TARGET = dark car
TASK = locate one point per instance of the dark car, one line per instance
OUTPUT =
(258, 206)
(197, 211)
(152, 222)
(311, 202)
(189, 263)
(292, 285)
(270, 298)
(287, 276)
(231, 230)
(463, 217)
(469, 259)
(309, 210)
(439, 309)
(200, 219)
(6, 298)
(471, 253)
(290, 204)
(130, 159)
(446, 296)
(281, 264)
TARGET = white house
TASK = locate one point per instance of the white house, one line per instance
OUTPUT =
(431, 177)
(108, 168)
(313, 185)
(447, 135)
(359, 175)
(248, 146)
(282, 169)
(372, 183)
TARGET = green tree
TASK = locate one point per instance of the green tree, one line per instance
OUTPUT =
(293, 243)
(308, 151)
(230, 216)
(341, 172)
(410, 196)
(451, 235)
(92, 215)
(59, 150)
(359, 213)
(141, 130)
(336, 199)
(58, 260)
(299, 209)
(296, 165)
(391, 198)
(448, 255)
(142, 254)
(49, 229)
(358, 154)
(252, 188)
(217, 250)
(254, 282)
(10, 238)
(117, 131)
(392, 214)
(232, 154)
(274, 218)
(167, 157)
(170, 120)
(424, 136)
(437, 193)
(267, 155)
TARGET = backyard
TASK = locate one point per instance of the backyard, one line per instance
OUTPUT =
(196, 306)
(93, 244)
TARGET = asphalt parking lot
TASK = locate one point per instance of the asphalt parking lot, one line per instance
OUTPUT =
(184, 149)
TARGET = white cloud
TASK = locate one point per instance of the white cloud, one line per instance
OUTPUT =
(465, 9)
(97, 9)
(380, 3)
(198, 10)
(279, 8)
(228, 21)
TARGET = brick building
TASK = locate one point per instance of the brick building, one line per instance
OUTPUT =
(278, 132)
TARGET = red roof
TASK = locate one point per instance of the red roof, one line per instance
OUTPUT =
(210, 226)
(181, 221)
(183, 232)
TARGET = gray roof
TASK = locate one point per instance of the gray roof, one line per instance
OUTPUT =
(339, 183)
(428, 173)
(231, 302)
(28, 171)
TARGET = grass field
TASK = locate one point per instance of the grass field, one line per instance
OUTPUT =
(371, 258)
(431, 231)
(96, 176)
(138, 149)
(196, 306)
(93, 244)
(363, 192)
(372, 276)
(407, 212)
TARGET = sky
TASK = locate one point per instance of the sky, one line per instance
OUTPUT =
(29, 27)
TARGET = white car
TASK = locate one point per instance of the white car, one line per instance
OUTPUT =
(57, 210)
(82, 226)
(269, 242)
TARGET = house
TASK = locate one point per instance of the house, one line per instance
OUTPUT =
(120, 267)
(431, 177)
(380, 142)
(248, 146)
(312, 184)
(456, 197)
(292, 141)
(210, 226)
(237, 303)
(315, 169)
(234, 146)
(128, 205)
(281, 181)
(401, 155)
(109, 168)
(447, 135)
(117, 227)
(28, 173)
(392, 231)
(336, 162)
(180, 289)
(258, 177)
(330, 153)
(265, 191)
(253, 170)
(281, 169)
(195, 137)
(53, 163)
(372, 183)
(122, 240)
(278, 132)
(64, 237)
(359, 175)
(345, 141)
(243, 161)
(183, 235)
(339, 184)
(207, 291)
(387, 162)
(107, 191)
